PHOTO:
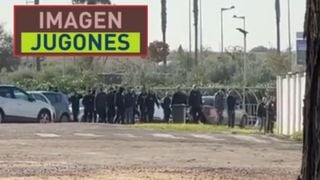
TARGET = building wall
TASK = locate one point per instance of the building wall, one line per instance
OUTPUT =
(290, 96)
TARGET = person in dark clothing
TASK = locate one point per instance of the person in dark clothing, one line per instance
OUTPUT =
(120, 106)
(111, 105)
(195, 103)
(179, 97)
(88, 103)
(135, 109)
(94, 105)
(151, 101)
(219, 105)
(231, 104)
(261, 115)
(101, 105)
(75, 105)
(271, 112)
(166, 102)
(130, 101)
(142, 104)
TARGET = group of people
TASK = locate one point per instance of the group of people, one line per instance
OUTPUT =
(266, 115)
(124, 105)
(228, 100)
(115, 106)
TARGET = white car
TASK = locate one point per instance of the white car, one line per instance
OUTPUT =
(210, 112)
(18, 106)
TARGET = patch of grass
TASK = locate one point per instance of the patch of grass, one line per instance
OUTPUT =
(297, 136)
(198, 128)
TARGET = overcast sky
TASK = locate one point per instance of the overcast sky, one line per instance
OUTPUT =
(260, 15)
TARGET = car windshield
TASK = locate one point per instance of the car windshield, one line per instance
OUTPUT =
(18, 94)
(39, 97)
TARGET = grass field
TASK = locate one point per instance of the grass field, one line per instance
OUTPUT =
(200, 128)
(298, 136)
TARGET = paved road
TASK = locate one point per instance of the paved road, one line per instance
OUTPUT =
(75, 149)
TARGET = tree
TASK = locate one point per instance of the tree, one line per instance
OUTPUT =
(7, 61)
(236, 55)
(311, 139)
(185, 60)
(196, 15)
(259, 49)
(278, 63)
(164, 25)
(277, 6)
(158, 50)
(85, 63)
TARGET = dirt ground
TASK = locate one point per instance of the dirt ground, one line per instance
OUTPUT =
(172, 174)
(95, 151)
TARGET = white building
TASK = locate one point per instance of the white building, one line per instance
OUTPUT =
(290, 102)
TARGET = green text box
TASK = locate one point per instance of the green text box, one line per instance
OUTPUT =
(30, 40)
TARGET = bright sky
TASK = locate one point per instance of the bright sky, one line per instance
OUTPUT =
(260, 15)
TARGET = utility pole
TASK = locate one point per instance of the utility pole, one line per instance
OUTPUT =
(289, 25)
(38, 63)
(289, 36)
(201, 43)
(196, 28)
(278, 11)
(190, 37)
(221, 30)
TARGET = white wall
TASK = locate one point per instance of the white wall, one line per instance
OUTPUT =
(290, 95)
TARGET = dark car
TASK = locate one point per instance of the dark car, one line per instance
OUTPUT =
(59, 101)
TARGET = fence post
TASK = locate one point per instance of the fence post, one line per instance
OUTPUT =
(288, 96)
(299, 102)
(279, 105)
(293, 103)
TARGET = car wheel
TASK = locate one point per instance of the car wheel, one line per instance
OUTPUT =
(44, 117)
(64, 118)
(1, 117)
(244, 121)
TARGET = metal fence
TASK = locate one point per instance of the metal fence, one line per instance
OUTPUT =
(251, 110)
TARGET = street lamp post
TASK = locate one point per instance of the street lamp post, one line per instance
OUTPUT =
(222, 10)
(244, 32)
(243, 18)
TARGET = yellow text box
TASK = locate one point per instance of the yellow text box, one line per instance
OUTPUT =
(80, 42)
